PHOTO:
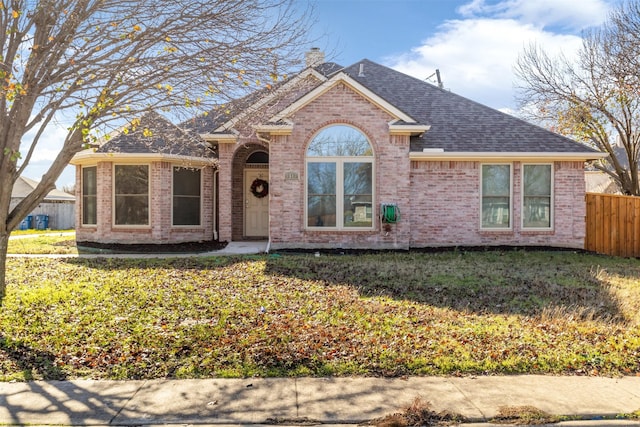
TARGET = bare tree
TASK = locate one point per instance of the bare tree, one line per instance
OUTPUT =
(595, 97)
(92, 64)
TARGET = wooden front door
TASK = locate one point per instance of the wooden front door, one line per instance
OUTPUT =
(256, 209)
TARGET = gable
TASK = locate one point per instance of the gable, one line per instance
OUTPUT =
(340, 104)
(343, 80)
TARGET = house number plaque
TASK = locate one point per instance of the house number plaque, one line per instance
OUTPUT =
(291, 176)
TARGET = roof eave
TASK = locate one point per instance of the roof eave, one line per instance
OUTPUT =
(437, 155)
(285, 129)
(410, 129)
(222, 138)
(83, 159)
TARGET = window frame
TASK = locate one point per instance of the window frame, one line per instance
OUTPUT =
(83, 196)
(339, 162)
(510, 204)
(551, 198)
(113, 197)
(173, 195)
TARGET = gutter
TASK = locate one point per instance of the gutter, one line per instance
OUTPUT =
(439, 154)
(89, 158)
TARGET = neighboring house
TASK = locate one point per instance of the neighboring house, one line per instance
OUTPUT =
(600, 182)
(58, 206)
(355, 157)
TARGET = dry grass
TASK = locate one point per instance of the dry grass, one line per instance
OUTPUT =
(297, 315)
(418, 413)
(523, 415)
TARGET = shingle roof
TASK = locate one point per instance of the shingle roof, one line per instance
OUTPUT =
(215, 118)
(328, 68)
(457, 123)
(165, 138)
(24, 186)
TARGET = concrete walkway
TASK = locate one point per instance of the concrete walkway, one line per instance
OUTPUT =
(311, 400)
(232, 248)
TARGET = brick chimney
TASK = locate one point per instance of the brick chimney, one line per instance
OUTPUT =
(314, 57)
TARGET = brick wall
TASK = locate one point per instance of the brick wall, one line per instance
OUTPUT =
(340, 105)
(159, 229)
(445, 207)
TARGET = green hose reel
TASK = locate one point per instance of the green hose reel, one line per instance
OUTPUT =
(390, 213)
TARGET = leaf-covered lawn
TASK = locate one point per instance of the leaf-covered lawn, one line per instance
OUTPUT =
(382, 314)
(50, 243)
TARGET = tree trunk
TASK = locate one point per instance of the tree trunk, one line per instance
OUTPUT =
(4, 242)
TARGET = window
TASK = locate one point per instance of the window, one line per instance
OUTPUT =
(89, 196)
(340, 179)
(496, 196)
(186, 196)
(537, 182)
(131, 194)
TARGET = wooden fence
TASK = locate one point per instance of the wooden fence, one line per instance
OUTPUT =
(613, 224)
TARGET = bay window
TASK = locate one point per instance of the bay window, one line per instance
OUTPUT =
(186, 196)
(89, 196)
(131, 194)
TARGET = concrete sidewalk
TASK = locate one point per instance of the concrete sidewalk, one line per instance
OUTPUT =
(299, 401)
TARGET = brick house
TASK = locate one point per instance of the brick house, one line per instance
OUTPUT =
(355, 157)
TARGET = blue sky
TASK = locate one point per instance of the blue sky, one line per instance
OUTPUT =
(474, 43)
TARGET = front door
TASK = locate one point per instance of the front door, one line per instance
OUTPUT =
(256, 208)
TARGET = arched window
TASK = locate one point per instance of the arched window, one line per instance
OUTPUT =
(339, 175)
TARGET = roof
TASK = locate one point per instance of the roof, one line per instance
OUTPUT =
(328, 68)
(24, 186)
(156, 135)
(224, 116)
(457, 124)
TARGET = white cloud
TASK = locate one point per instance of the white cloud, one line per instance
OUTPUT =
(45, 153)
(476, 56)
(542, 13)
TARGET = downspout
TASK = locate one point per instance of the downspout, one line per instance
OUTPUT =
(215, 204)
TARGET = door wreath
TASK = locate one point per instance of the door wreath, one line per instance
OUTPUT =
(259, 188)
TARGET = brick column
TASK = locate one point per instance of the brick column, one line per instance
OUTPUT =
(225, 184)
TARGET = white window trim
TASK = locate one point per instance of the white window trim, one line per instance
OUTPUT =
(113, 198)
(510, 228)
(82, 196)
(173, 167)
(339, 162)
(551, 199)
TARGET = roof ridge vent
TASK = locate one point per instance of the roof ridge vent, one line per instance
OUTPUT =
(361, 70)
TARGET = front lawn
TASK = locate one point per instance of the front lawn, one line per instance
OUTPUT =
(49, 243)
(383, 314)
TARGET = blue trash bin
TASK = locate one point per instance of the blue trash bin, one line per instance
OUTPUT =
(26, 223)
(42, 222)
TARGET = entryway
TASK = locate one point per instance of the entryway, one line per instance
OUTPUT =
(256, 205)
